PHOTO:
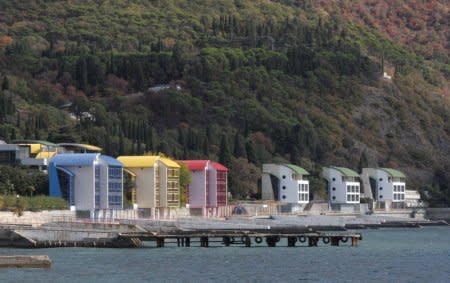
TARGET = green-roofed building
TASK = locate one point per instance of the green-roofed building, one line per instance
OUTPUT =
(285, 183)
(387, 187)
(343, 185)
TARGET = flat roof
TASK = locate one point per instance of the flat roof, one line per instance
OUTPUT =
(138, 161)
(346, 171)
(393, 173)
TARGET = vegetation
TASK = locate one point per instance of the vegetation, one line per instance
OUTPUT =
(35, 203)
(259, 81)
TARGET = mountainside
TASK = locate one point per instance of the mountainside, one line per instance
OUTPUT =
(244, 82)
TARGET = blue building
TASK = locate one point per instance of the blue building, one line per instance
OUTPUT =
(88, 181)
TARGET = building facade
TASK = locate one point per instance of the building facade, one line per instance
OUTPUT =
(343, 185)
(387, 185)
(30, 153)
(285, 183)
(88, 181)
(156, 180)
(208, 187)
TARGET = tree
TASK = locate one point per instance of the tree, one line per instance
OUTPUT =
(185, 180)
(251, 152)
(363, 161)
(239, 148)
(225, 152)
(5, 83)
(244, 178)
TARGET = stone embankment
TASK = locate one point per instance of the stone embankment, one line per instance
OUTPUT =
(31, 261)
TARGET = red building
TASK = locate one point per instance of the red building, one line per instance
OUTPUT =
(208, 188)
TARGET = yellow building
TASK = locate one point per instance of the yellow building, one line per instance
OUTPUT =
(156, 180)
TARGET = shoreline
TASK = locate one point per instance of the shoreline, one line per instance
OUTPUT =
(107, 235)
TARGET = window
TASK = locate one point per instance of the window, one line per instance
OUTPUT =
(334, 179)
(334, 198)
(284, 197)
(284, 187)
(115, 200)
(381, 179)
(284, 176)
(334, 189)
(381, 196)
(349, 198)
(381, 188)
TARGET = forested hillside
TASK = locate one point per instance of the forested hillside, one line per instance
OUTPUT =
(251, 82)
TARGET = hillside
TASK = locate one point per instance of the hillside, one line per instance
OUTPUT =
(258, 81)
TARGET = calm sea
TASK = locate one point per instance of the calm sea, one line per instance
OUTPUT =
(385, 255)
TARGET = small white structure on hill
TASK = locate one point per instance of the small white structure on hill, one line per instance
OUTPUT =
(343, 185)
(285, 183)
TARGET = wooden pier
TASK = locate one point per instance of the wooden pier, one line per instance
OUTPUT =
(245, 239)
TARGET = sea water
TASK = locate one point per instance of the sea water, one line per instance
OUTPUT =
(384, 255)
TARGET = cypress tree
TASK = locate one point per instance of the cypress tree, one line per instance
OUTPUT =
(5, 84)
(251, 152)
(239, 149)
(225, 152)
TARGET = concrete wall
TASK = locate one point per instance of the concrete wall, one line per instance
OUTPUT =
(197, 189)
(35, 218)
(145, 187)
(84, 186)
(438, 213)
(212, 185)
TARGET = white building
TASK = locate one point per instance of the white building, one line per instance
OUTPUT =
(88, 181)
(343, 185)
(387, 185)
(285, 183)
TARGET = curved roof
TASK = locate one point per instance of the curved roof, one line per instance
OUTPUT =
(297, 169)
(74, 159)
(34, 142)
(169, 163)
(111, 160)
(195, 165)
(138, 161)
(82, 159)
(45, 154)
(346, 171)
(81, 145)
(393, 173)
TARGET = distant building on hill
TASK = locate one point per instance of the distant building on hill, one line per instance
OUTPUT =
(30, 153)
(88, 181)
(78, 148)
(208, 188)
(343, 187)
(285, 183)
